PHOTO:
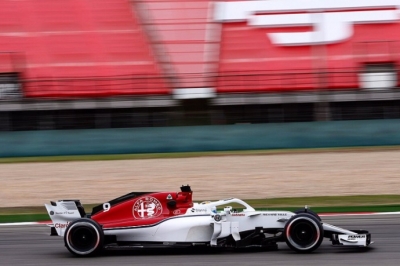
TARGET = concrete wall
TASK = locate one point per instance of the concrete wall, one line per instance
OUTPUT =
(201, 138)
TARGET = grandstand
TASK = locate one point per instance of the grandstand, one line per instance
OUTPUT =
(141, 63)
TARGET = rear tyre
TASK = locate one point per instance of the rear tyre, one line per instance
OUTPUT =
(303, 233)
(84, 237)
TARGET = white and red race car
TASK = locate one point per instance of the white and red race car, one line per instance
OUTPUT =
(171, 220)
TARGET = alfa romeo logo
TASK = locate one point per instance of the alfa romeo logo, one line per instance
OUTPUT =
(147, 207)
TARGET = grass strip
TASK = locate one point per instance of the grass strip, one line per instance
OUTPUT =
(327, 201)
(19, 218)
(328, 204)
(36, 217)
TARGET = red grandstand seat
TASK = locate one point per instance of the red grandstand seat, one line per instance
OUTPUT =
(79, 48)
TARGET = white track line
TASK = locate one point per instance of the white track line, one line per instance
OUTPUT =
(24, 223)
(357, 214)
(322, 215)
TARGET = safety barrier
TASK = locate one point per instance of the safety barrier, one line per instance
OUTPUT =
(201, 138)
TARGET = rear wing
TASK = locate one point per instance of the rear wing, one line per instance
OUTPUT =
(62, 213)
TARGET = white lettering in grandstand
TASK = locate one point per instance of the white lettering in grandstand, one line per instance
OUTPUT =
(332, 20)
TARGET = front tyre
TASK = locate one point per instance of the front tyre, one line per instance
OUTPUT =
(309, 212)
(84, 237)
(303, 233)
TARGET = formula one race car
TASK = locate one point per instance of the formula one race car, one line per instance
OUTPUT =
(171, 220)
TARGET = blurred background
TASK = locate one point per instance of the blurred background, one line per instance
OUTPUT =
(90, 64)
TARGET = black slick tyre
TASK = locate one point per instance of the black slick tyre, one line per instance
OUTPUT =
(309, 212)
(84, 237)
(303, 233)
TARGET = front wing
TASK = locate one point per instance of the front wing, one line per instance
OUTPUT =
(343, 237)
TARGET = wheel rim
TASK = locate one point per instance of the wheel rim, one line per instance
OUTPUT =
(303, 233)
(83, 238)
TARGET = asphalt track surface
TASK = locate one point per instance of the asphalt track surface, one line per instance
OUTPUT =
(32, 245)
